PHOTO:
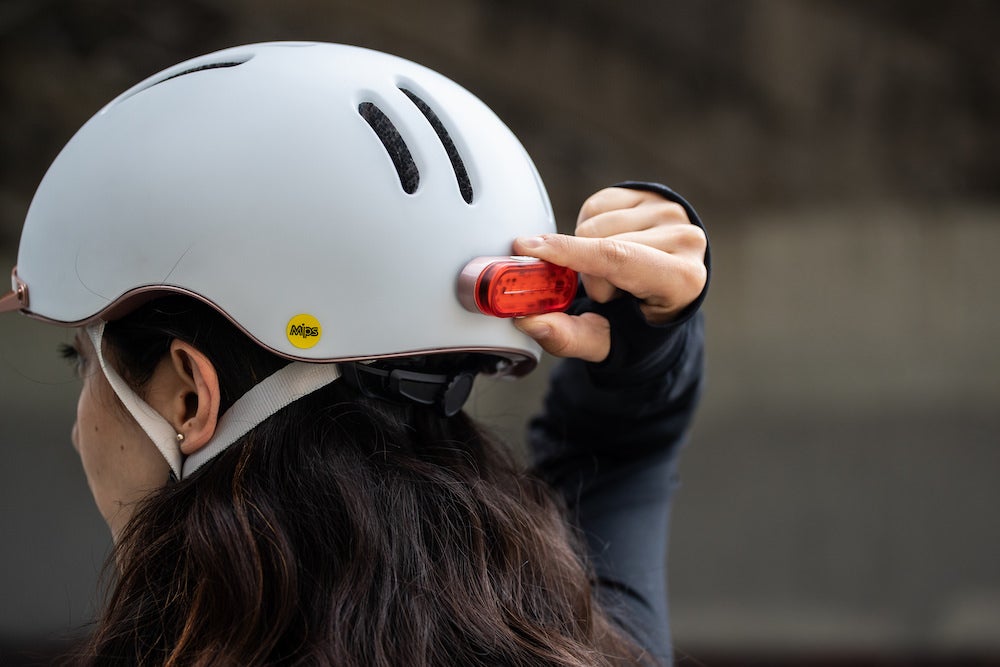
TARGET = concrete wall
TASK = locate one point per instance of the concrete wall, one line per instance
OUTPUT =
(839, 490)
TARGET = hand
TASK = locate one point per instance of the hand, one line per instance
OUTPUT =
(626, 241)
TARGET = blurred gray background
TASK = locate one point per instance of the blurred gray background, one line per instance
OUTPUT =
(842, 484)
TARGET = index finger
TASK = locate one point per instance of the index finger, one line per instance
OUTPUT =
(647, 273)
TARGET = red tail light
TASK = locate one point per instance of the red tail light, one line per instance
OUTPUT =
(515, 286)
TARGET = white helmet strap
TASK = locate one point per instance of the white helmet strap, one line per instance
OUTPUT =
(281, 388)
(152, 422)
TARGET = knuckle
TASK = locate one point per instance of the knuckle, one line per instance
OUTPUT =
(594, 204)
(670, 211)
(695, 276)
(589, 209)
(560, 345)
(693, 236)
(586, 228)
(616, 253)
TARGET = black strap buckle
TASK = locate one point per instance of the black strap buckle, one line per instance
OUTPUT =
(447, 393)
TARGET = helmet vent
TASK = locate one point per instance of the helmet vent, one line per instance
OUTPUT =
(239, 60)
(200, 68)
(406, 168)
(461, 175)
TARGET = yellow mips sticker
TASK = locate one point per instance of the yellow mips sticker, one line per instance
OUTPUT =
(303, 331)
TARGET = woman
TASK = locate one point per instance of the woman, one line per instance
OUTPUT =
(274, 254)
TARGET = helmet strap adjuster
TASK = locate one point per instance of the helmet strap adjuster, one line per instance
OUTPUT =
(447, 393)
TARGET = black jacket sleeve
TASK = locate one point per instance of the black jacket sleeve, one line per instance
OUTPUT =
(608, 439)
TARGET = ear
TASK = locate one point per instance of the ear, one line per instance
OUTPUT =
(194, 405)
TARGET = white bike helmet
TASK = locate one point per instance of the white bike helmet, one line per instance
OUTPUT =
(324, 198)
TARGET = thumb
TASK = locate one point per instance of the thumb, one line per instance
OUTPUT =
(586, 336)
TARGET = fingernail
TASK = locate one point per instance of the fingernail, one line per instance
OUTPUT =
(533, 329)
(531, 241)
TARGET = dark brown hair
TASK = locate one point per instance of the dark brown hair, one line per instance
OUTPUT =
(345, 531)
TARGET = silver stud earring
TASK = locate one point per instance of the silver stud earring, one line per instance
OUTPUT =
(180, 437)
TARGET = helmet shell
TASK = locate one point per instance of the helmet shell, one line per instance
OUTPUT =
(249, 178)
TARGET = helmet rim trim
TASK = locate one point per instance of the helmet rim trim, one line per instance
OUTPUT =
(522, 362)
